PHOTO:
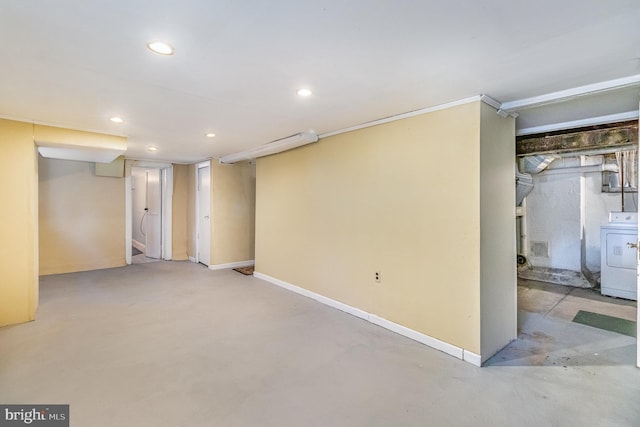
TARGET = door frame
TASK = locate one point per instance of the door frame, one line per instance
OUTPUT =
(196, 228)
(166, 179)
(166, 184)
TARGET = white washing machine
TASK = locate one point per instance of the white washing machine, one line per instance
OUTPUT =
(618, 259)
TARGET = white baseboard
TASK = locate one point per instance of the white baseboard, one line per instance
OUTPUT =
(139, 246)
(418, 336)
(192, 259)
(324, 300)
(435, 343)
(474, 359)
(232, 265)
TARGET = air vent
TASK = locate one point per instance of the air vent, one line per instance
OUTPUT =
(540, 249)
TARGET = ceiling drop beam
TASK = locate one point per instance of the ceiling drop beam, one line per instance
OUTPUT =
(574, 124)
(568, 94)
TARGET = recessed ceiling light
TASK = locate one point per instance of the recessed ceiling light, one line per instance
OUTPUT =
(210, 135)
(116, 119)
(304, 92)
(152, 148)
(160, 47)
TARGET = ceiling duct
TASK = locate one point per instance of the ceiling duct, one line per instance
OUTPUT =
(535, 164)
(524, 185)
(527, 166)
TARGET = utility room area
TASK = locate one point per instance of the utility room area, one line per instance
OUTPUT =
(577, 225)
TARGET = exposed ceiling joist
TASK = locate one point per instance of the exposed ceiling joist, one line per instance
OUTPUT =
(613, 137)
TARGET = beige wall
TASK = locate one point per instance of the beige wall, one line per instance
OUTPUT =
(18, 223)
(401, 198)
(180, 212)
(498, 236)
(82, 218)
(233, 212)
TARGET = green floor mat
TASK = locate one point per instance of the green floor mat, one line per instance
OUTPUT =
(608, 323)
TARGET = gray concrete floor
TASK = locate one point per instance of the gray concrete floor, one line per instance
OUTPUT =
(175, 344)
(564, 302)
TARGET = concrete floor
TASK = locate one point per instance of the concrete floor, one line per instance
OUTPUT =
(564, 302)
(175, 344)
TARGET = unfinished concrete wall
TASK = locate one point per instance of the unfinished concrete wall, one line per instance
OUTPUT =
(553, 219)
(565, 212)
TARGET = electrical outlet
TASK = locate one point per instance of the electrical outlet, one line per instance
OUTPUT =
(378, 278)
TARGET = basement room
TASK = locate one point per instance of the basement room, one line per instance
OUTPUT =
(319, 213)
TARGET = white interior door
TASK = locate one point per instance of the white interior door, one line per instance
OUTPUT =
(153, 215)
(638, 285)
(204, 213)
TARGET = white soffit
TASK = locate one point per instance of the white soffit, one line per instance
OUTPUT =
(611, 118)
(573, 93)
(84, 154)
(615, 105)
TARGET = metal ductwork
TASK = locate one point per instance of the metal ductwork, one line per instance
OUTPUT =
(535, 164)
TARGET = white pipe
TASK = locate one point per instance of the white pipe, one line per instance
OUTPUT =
(284, 144)
(524, 241)
(582, 169)
(593, 152)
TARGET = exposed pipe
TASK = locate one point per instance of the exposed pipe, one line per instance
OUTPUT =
(592, 152)
(524, 240)
(622, 178)
(582, 169)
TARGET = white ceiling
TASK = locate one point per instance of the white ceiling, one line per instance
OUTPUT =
(238, 64)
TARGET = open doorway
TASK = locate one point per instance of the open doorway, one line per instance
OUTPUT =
(146, 197)
(149, 192)
(577, 223)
